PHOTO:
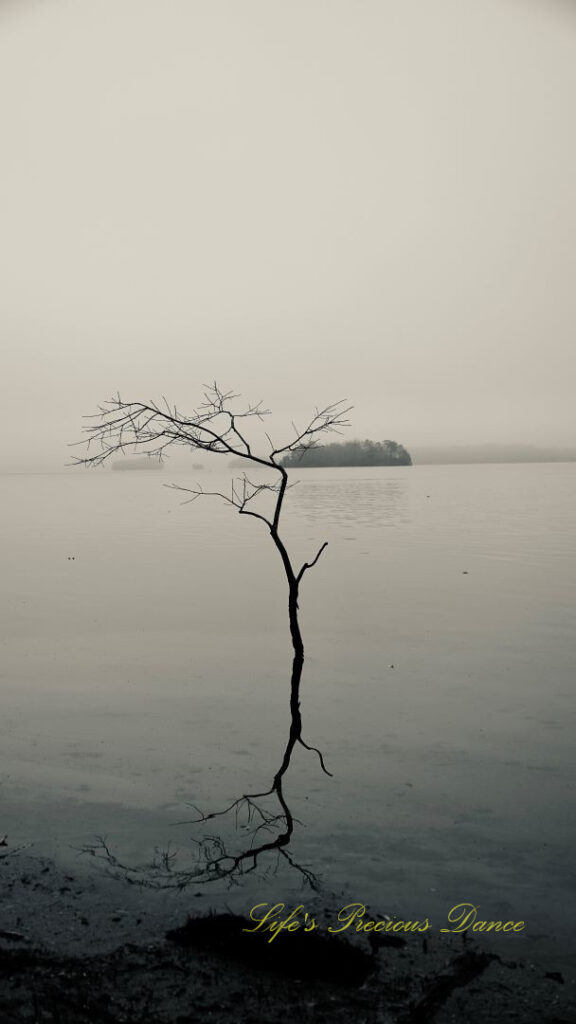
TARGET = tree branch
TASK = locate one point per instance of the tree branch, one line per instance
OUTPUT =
(148, 429)
(309, 565)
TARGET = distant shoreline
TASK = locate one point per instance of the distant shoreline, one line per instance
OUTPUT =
(469, 455)
(420, 457)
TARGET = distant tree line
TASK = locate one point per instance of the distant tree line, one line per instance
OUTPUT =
(142, 462)
(352, 453)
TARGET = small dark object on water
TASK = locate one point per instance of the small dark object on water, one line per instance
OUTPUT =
(555, 976)
(465, 572)
(12, 936)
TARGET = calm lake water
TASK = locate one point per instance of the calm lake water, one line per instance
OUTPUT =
(146, 663)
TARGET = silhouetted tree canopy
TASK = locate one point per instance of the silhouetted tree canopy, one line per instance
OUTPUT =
(352, 453)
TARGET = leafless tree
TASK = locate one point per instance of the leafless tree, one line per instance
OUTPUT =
(216, 426)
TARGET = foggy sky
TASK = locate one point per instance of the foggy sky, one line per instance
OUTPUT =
(305, 200)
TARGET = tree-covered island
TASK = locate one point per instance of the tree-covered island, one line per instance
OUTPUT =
(351, 453)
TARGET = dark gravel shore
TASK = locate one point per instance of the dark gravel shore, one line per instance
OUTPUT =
(90, 948)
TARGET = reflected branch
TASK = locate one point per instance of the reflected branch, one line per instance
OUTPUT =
(217, 426)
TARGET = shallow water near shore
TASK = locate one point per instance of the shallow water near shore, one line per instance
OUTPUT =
(146, 663)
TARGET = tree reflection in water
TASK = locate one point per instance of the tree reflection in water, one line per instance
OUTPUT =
(218, 427)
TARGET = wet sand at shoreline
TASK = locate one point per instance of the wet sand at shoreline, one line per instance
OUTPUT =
(83, 946)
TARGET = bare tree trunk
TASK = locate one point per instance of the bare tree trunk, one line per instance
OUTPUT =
(147, 428)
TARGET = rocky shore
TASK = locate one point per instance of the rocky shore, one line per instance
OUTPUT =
(79, 947)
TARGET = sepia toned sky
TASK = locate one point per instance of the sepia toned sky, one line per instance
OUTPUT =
(305, 200)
